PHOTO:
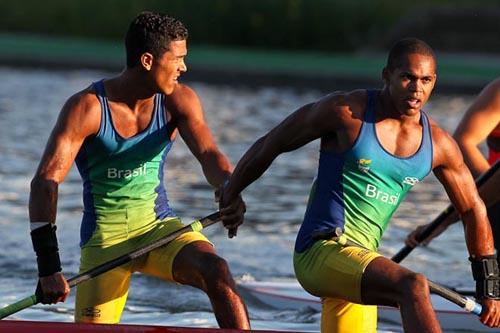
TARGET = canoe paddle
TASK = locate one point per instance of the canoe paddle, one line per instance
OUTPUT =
(465, 303)
(398, 257)
(197, 225)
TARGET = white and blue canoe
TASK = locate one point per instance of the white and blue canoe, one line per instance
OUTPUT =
(291, 296)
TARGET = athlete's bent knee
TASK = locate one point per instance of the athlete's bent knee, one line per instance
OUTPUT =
(415, 285)
(215, 272)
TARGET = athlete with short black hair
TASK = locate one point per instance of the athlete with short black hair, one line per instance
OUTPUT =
(119, 132)
(375, 146)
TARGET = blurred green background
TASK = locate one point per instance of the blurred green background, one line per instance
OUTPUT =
(328, 25)
(303, 38)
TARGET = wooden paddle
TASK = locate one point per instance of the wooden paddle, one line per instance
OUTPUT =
(194, 226)
(398, 257)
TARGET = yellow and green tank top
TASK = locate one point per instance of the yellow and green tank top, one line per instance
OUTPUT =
(360, 189)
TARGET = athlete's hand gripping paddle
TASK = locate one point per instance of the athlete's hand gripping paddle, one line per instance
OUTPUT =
(107, 266)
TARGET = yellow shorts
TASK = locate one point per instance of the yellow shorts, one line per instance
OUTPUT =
(334, 273)
(102, 299)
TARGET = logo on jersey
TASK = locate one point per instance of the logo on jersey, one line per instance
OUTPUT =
(364, 165)
(410, 181)
(114, 173)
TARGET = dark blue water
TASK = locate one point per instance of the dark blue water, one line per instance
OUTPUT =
(29, 103)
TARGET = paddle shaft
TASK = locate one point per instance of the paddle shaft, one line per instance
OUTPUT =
(405, 251)
(398, 257)
(107, 266)
(464, 302)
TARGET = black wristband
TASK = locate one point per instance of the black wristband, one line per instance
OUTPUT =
(47, 252)
(488, 288)
(486, 274)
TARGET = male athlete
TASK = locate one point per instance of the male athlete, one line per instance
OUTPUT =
(119, 132)
(375, 146)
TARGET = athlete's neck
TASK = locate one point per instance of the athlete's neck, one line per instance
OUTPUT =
(128, 88)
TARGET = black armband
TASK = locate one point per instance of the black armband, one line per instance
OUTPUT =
(47, 252)
(486, 274)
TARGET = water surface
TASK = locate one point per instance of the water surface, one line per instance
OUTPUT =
(29, 104)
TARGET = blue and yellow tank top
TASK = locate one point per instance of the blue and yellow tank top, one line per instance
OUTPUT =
(360, 189)
(123, 177)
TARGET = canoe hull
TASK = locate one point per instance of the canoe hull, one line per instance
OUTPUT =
(14, 326)
(276, 295)
(290, 295)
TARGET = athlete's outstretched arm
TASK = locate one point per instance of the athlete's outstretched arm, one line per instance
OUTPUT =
(308, 123)
(450, 169)
(74, 124)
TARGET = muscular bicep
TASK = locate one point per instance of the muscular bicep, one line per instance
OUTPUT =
(459, 185)
(196, 133)
(450, 169)
(76, 121)
(74, 124)
(191, 123)
(189, 118)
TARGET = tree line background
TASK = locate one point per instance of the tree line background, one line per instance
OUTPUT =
(320, 25)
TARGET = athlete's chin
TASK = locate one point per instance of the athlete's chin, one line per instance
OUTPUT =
(409, 111)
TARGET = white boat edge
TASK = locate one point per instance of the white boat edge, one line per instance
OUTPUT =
(290, 296)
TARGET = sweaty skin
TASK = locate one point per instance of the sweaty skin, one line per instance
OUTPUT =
(131, 100)
(336, 120)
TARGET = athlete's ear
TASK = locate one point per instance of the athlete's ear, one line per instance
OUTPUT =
(147, 61)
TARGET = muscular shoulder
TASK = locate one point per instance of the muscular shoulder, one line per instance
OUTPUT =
(445, 148)
(344, 106)
(82, 110)
(183, 100)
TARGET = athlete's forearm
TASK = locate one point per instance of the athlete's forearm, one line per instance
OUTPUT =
(453, 218)
(216, 168)
(478, 235)
(43, 200)
(42, 212)
(488, 193)
(250, 167)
